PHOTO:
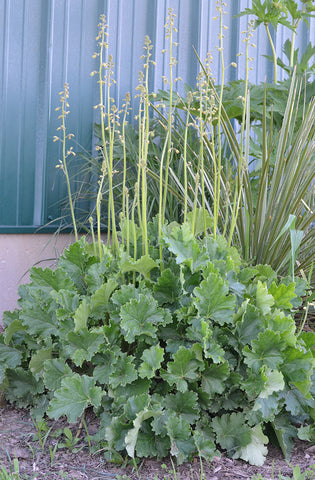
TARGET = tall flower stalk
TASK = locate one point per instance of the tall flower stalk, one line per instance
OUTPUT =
(64, 96)
(109, 111)
(144, 132)
(170, 30)
(218, 163)
(245, 126)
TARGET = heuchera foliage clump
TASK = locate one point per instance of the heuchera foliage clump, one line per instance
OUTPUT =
(197, 355)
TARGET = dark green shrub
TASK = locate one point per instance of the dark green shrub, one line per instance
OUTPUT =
(199, 354)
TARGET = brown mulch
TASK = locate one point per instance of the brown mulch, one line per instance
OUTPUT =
(17, 441)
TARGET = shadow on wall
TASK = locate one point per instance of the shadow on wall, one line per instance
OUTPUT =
(18, 253)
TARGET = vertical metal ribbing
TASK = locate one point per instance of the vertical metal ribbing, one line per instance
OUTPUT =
(43, 110)
(5, 13)
(44, 44)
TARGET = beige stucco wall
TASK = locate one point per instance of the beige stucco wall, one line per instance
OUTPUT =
(19, 252)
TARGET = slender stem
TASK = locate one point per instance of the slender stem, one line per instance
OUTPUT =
(201, 157)
(217, 180)
(134, 230)
(139, 164)
(292, 48)
(128, 225)
(64, 112)
(92, 234)
(295, 26)
(161, 198)
(185, 162)
(197, 177)
(111, 130)
(145, 146)
(170, 116)
(124, 152)
(98, 209)
(273, 53)
(239, 179)
(105, 163)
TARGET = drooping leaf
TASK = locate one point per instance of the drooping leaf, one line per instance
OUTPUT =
(265, 274)
(254, 383)
(213, 300)
(285, 433)
(124, 295)
(132, 435)
(74, 396)
(183, 369)
(74, 261)
(222, 257)
(116, 432)
(255, 452)
(136, 387)
(306, 433)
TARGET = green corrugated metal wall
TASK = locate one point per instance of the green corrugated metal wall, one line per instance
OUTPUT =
(44, 43)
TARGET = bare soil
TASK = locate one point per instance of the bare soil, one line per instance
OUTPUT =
(17, 434)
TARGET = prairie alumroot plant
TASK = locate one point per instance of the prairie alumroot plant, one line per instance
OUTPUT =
(167, 367)
(64, 95)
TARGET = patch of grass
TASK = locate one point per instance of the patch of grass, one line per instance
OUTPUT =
(13, 473)
(309, 474)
